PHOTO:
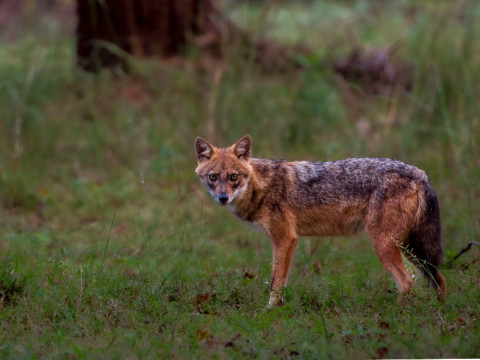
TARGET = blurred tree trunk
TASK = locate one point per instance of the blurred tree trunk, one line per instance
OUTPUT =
(107, 29)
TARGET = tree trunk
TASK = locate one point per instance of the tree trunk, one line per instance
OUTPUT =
(108, 29)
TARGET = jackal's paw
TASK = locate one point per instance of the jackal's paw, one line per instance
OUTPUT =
(405, 298)
(275, 300)
(442, 296)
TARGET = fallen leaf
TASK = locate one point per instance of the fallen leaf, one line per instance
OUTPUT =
(382, 352)
(384, 325)
(248, 275)
(283, 352)
(203, 298)
(202, 334)
(231, 342)
(120, 229)
(347, 339)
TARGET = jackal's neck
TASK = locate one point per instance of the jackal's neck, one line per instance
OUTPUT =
(247, 204)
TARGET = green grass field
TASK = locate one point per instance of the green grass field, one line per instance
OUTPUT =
(110, 247)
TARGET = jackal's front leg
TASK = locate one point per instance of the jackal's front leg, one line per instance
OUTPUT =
(283, 248)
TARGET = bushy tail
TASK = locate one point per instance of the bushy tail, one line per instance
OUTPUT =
(424, 240)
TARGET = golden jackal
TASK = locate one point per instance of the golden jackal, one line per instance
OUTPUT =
(394, 201)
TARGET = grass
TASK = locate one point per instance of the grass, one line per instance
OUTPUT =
(110, 248)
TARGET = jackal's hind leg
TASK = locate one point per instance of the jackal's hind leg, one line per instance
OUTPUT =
(387, 239)
(390, 256)
(389, 220)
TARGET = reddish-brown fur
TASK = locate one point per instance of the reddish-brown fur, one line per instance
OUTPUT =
(392, 200)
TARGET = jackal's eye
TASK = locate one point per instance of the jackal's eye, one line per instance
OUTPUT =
(234, 177)
(212, 177)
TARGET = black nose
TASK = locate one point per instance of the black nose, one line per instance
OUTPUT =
(223, 199)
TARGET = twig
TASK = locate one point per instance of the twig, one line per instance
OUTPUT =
(21, 105)
(108, 241)
(212, 100)
(465, 249)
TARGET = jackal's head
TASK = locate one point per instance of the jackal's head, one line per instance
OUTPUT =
(224, 172)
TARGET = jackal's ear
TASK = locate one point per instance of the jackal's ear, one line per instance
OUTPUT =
(203, 150)
(243, 148)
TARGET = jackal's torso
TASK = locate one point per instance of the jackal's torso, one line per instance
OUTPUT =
(322, 198)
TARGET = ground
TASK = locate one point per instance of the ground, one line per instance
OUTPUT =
(111, 248)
